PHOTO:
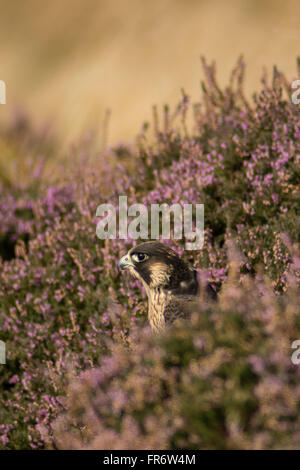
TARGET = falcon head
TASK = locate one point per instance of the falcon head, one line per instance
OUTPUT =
(159, 267)
(171, 285)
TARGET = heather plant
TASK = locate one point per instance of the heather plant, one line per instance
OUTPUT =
(224, 380)
(71, 322)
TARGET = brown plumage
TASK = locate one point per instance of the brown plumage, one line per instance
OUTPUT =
(172, 287)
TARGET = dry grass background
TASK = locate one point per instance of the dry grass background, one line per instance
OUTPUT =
(66, 62)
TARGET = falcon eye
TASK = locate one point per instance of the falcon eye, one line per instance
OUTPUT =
(139, 257)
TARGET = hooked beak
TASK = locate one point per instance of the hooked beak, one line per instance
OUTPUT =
(125, 262)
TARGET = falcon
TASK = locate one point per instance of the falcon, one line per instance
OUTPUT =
(172, 287)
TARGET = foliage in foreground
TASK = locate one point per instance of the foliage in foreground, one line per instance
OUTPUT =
(64, 307)
(225, 380)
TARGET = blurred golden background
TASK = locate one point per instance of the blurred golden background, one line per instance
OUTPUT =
(67, 62)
